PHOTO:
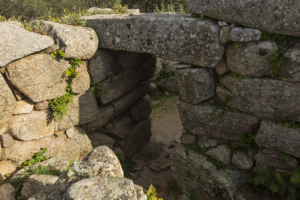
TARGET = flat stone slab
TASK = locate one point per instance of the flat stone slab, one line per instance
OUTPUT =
(173, 37)
(275, 16)
(16, 43)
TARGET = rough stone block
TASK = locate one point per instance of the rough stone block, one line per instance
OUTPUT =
(7, 192)
(23, 107)
(201, 120)
(174, 37)
(266, 98)
(168, 84)
(13, 36)
(99, 139)
(142, 109)
(121, 128)
(258, 14)
(273, 161)
(242, 160)
(221, 153)
(291, 68)
(39, 77)
(238, 34)
(195, 84)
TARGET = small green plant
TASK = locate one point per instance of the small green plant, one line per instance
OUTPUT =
(236, 75)
(237, 45)
(70, 163)
(38, 157)
(111, 78)
(192, 195)
(98, 89)
(58, 54)
(277, 60)
(71, 71)
(220, 105)
(220, 85)
(266, 36)
(248, 139)
(195, 147)
(232, 146)
(59, 105)
(119, 9)
(151, 193)
(283, 157)
(276, 182)
(290, 124)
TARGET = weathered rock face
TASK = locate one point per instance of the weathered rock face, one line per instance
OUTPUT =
(266, 98)
(83, 111)
(146, 66)
(221, 154)
(37, 183)
(41, 106)
(238, 34)
(140, 136)
(195, 84)
(126, 101)
(103, 63)
(27, 43)
(106, 113)
(6, 140)
(99, 139)
(188, 138)
(151, 150)
(277, 137)
(221, 67)
(6, 166)
(7, 102)
(121, 84)
(203, 178)
(38, 77)
(121, 128)
(242, 160)
(291, 68)
(33, 126)
(102, 188)
(251, 59)
(259, 14)
(73, 148)
(201, 120)
(7, 192)
(206, 142)
(127, 58)
(75, 41)
(23, 107)
(81, 83)
(109, 165)
(168, 84)
(158, 34)
(273, 161)
(142, 109)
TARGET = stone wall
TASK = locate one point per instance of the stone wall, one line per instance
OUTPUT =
(118, 116)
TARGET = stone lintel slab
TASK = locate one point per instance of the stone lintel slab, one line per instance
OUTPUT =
(175, 37)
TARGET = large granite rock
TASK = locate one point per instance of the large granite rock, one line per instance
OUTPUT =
(291, 68)
(221, 153)
(81, 83)
(120, 128)
(37, 183)
(106, 160)
(140, 136)
(266, 98)
(7, 102)
(23, 107)
(251, 59)
(70, 148)
(13, 36)
(201, 120)
(99, 139)
(123, 103)
(114, 188)
(38, 77)
(7, 192)
(33, 126)
(142, 109)
(168, 84)
(194, 173)
(6, 140)
(83, 110)
(256, 14)
(238, 34)
(274, 161)
(195, 84)
(277, 137)
(103, 63)
(241, 160)
(121, 84)
(6, 167)
(171, 37)
(106, 113)
(75, 41)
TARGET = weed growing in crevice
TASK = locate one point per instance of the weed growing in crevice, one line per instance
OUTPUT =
(192, 195)
(249, 140)
(237, 45)
(283, 157)
(38, 157)
(236, 75)
(98, 89)
(276, 182)
(232, 146)
(290, 124)
(277, 60)
(127, 166)
(220, 85)
(58, 54)
(220, 105)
